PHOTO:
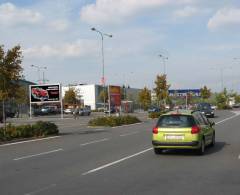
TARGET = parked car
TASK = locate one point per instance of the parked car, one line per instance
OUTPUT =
(183, 129)
(153, 109)
(84, 111)
(236, 105)
(205, 108)
(112, 111)
(68, 111)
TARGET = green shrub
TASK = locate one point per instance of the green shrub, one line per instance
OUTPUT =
(40, 129)
(113, 121)
(154, 115)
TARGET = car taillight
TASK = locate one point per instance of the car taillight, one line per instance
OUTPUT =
(155, 130)
(195, 129)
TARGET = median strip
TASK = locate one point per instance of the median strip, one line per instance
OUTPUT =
(116, 162)
(40, 154)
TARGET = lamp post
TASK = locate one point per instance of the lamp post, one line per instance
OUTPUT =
(39, 74)
(164, 62)
(103, 65)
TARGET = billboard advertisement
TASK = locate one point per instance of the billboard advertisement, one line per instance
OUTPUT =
(115, 95)
(45, 93)
(184, 92)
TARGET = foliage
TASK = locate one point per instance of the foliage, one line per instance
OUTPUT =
(70, 96)
(39, 129)
(222, 99)
(205, 93)
(145, 98)
(21, 96)
(113, 121)
(10, 71)
(103, 94)
(161, 88)
(153, 115)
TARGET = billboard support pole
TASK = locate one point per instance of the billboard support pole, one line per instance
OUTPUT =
(30, 104)
(109, 101)
(61, 101)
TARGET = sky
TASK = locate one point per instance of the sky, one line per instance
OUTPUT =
(199, 38)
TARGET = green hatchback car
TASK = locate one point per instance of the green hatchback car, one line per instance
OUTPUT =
(183, 129)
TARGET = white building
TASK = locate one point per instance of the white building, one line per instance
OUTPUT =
(89, 94)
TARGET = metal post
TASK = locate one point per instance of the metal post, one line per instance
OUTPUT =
(30, 104)
(61, 101)
(109, 100)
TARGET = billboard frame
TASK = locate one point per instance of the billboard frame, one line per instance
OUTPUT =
(45, 102)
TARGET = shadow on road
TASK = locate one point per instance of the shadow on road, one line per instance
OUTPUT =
(209, 150)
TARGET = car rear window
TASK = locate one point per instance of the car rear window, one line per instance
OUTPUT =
(175, 121)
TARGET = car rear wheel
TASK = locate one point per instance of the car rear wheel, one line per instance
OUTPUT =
(213, 141)
(158, 150)
(201, 150)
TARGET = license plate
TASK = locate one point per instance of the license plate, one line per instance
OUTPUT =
(174, 137)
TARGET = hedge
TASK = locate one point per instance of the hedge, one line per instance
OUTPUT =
(112, 121)
(39, 129)
(154, 115)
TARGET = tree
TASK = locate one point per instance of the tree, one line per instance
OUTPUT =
(21, 98)
(103, 94)
(161, 88)
(10, 73)
(205, 93)
(222, 99)
(70, 96)
(145, 98)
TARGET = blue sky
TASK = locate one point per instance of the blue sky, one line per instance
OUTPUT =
(199, 37)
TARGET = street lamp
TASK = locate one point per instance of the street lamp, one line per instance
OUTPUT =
(164, 62)
(43, 74)
(103, 66)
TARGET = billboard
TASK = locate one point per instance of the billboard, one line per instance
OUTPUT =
(115, 95)
(45, 93)
(184, 92)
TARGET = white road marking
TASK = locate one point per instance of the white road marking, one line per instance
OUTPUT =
(95, 141)
(226, 119)
(116, 162)
(239, 157)
(41, 190)
(27, 141)
(127, 125)
(127, 134)
(40, 154)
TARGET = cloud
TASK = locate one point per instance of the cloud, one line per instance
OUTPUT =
(187, 11)
(59, 25)
(112, 11)
(12, 15)
(80, 48)
(224, 17)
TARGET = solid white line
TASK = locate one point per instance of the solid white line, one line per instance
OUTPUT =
(226, 119)
(239, 157)
(132, 133)
(96, 141)
(41, 190)
(40, 154)
(27, 141)
(116, 162)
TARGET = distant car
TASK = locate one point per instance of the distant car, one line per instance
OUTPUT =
(68, 111)
(205, 108)
(112, 111)
(84, 111)
(236, 105)
(153, 109)
(214, 107)
(183, 129)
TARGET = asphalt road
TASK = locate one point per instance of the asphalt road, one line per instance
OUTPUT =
(120, 160)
